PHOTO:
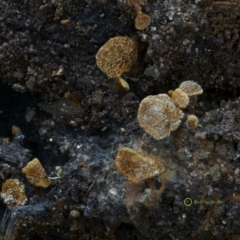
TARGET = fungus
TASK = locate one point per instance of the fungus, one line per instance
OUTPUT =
(13, 193)
(192, 121)
(17, 134)
(36, 174)
(191, 88)
(158, 116)
(15, 130)
(180, 98)
(142, 20)
(136, 166)
(170, 92)
(116, 56)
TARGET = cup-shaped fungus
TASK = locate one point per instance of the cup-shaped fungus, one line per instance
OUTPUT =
(36, 174)
(158, 116)
(136, 166)
(180, 98)
(116, 57)
(13, 193)
(191, 88)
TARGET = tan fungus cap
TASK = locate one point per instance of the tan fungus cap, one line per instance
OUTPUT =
(158, 115)
(180, 98)
(192, 121)
(137, 166)
(191, 88)
(142, 21)
(36, 174)
(117, 55)
(13, 193)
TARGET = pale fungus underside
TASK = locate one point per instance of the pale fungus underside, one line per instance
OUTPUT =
(158, 115)
(13, 193)
(191, 88)
(137, 166)
(36, 174)
(117, 55)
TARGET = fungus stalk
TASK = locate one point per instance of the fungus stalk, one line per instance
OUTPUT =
(123, 85)
(136, 6)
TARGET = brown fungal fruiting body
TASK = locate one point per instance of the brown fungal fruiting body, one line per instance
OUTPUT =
(192, 121)
(13, 193)
(136, 166)
(15, 130)
(191, 88)
(142, 21)
(180, 98)
(158, 116)
(117, 55)
(123, 85)
(36, 174)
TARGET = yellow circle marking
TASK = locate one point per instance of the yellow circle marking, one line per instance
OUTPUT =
(187, 202)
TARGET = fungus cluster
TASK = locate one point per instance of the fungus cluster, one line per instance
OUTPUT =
(116, 57)
(36, 174)
(136, 166)
(13, 193)
(160, 114)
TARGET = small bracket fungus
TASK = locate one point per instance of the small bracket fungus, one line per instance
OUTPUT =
(13, 193)
(158, 116)
(116, 56)
(191, 88)
(136, 166)
(180, 98)
(142, 20)
(36, 174)
(192, 121)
